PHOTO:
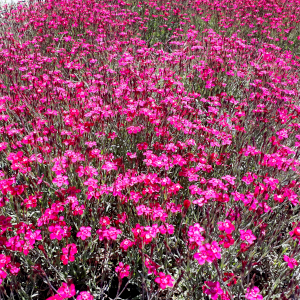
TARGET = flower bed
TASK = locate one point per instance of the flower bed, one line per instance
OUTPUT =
(149, 150)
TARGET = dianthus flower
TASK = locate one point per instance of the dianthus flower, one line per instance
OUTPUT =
(292, 262)
(123, 270)
(194, 234)
(84, 296)
(164, 280)
(126, 244)
(66, 290)
(203, 255)
(226, 226)
(68, 253)
(253, 294)
(61, 180)
(110, 234)
(227, 240)
(151, 266)
(247, 236)
(231, 277)
(213, 289)
(84, 232)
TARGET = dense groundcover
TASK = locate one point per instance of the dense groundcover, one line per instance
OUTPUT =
(150, 150)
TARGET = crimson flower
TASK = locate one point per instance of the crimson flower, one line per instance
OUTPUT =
(227, 240)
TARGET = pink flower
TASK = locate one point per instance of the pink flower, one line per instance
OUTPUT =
(203, 255)
(215, 250)
(164, 280)
(227, 240)
(126, 244)
(58, 232)
(253, 294)
(104, 221)
(151, 266)
(110, 234)
(123, 270)
(292, 262)
(85, 296)
(166, 228)
(66, 290)
(134, 130)
(194, 234)
(247, 236)
(84, 232)
(226, 226)
(61, 180)
(108, 166)
(68, 253)
(4, 260)
(213, 289)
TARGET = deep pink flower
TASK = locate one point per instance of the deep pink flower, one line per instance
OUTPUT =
(215, 250)
(151, 266)
(226, 226)
(84, 232)
(58, 232)
(68, 253)
(247, 236)
(108, 166)
(126, 244)
(61, 180)
(85, 296)
(253, 294)
(104, 221)
(213, 289)
(194, 234)
(66, 290)
(292, 262)
(203, 255)
(123, 270)
(110, 234)
(164, 280)
(4, 260)
(226, 241)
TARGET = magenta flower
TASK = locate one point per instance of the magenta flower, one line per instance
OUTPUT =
(203, 255)
(84, 296)
(226, 226)
(108, 166)
(110, 234)
(194, 234)
(247, 236)
(253, 294)
(84, 232)
(164, 280)
(123, 270)
(68, 253)
(66, 290)
(213, 289)
(292, 262)
(61, 180)
(126, 244)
